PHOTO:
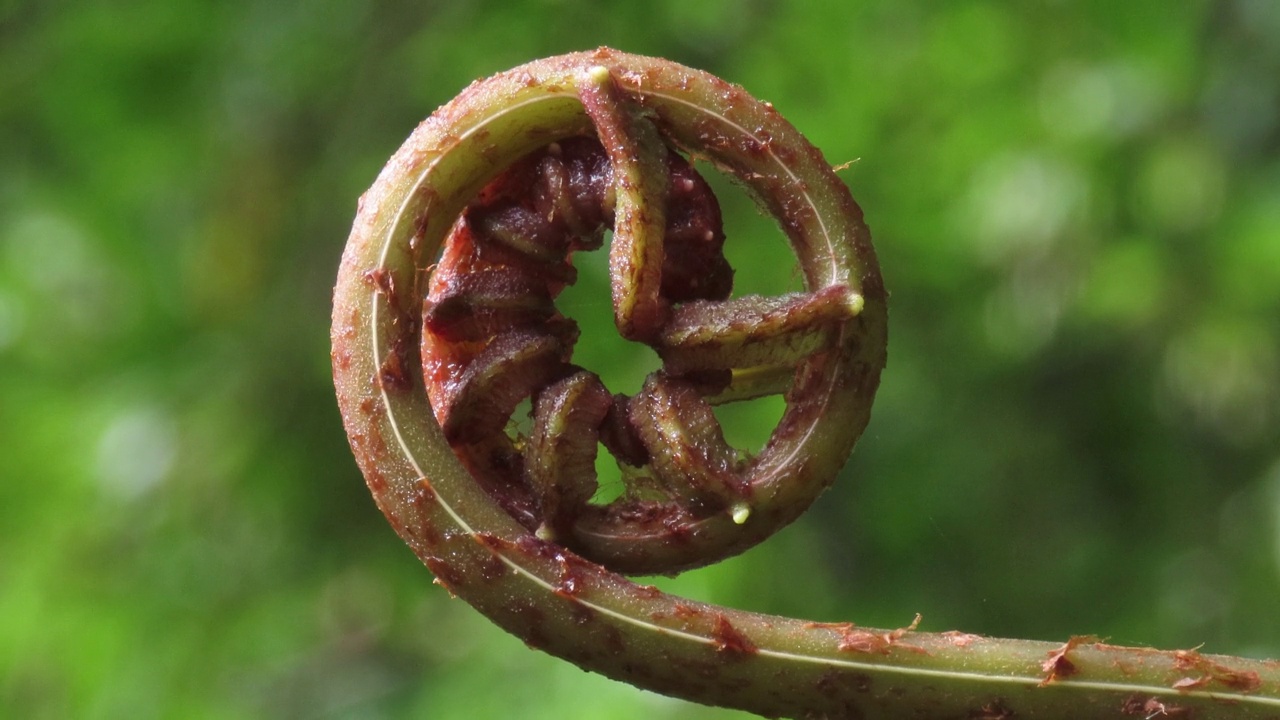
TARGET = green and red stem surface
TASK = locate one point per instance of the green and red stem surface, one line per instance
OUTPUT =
(444, 320)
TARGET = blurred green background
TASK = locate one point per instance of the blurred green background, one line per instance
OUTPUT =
(1077, 207)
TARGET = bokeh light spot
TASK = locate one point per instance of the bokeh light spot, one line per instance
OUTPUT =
(136, 452)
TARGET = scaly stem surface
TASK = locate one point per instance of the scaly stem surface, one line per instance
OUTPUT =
(824, 349)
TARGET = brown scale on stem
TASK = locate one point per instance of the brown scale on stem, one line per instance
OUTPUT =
(492, 338)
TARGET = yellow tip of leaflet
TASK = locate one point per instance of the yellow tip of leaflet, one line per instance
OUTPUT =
(740, 513)
(856, 303)
(598, 74)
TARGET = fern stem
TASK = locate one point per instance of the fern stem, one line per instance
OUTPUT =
(558, 602)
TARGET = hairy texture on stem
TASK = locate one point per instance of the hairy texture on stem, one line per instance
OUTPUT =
(449, 279)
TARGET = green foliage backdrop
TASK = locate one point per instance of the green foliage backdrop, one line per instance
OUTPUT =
(1077, 207)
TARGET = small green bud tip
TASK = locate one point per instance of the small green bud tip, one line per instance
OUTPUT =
(740, 512)
(545, 533)
(856, 303)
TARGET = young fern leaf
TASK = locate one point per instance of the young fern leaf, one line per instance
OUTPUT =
(444, 321)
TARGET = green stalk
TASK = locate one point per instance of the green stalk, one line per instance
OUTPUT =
(567, 606)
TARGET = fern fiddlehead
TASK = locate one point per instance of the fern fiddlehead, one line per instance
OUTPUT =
(445, 320)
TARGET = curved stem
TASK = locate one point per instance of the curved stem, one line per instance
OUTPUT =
(557, 601)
